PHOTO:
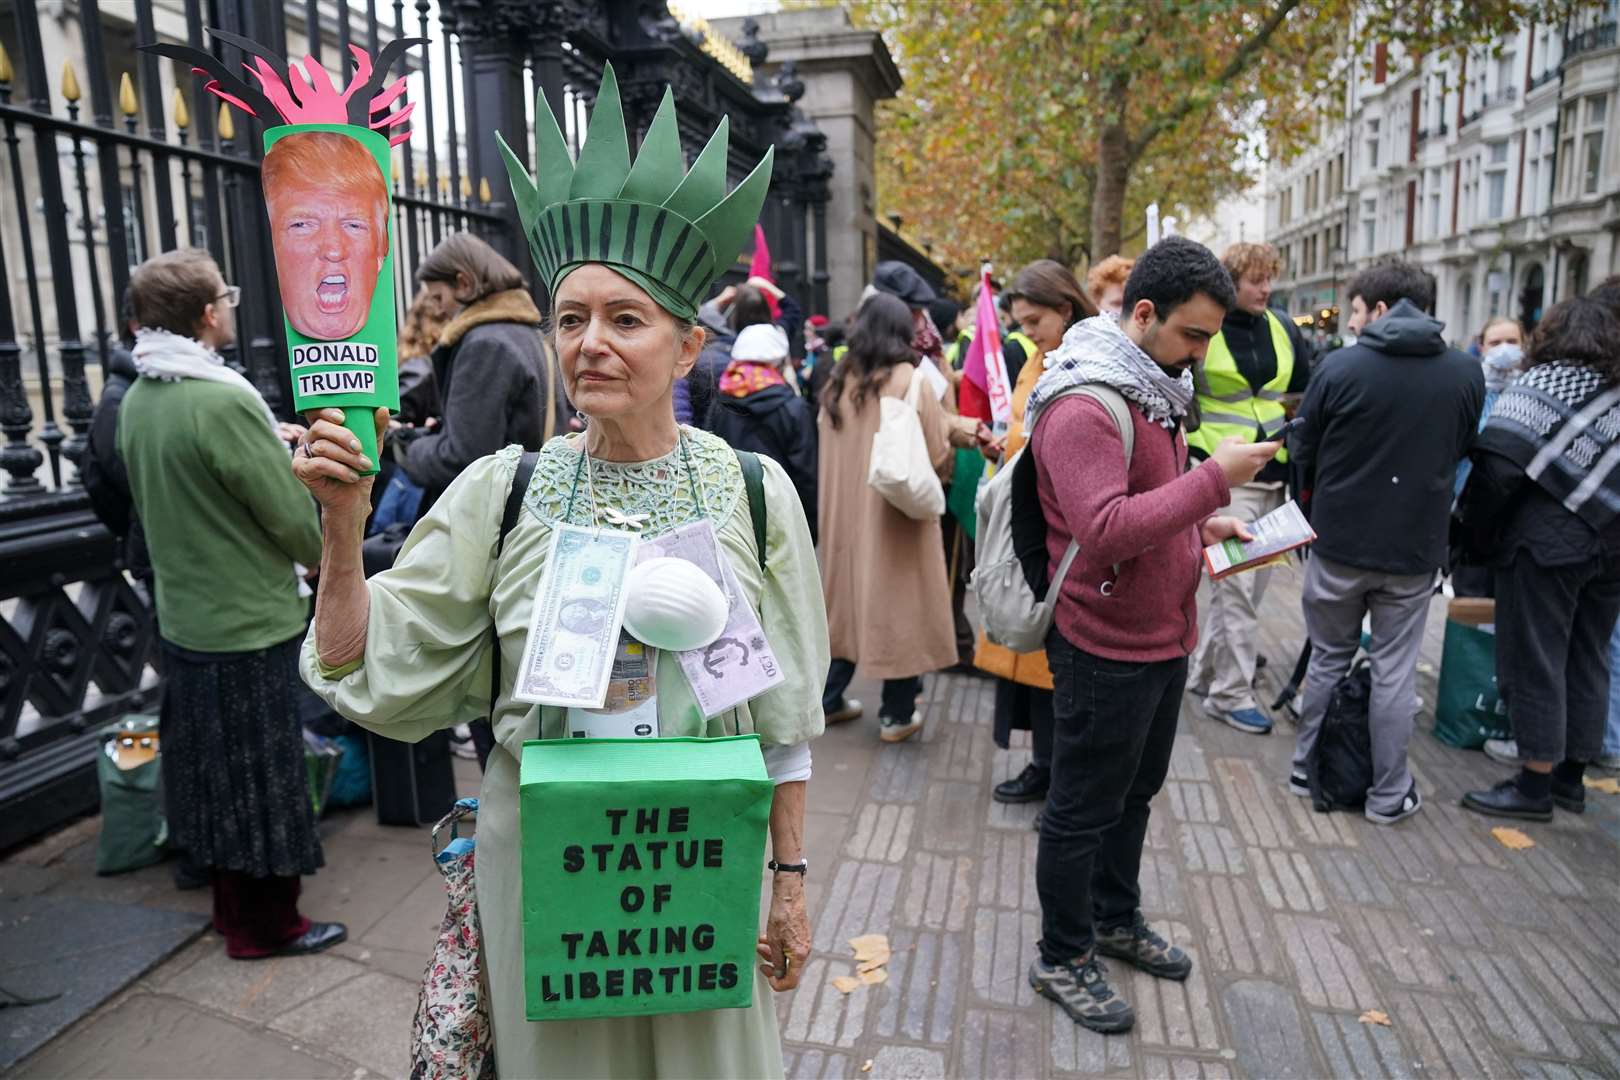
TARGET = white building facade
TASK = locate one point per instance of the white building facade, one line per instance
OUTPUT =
(1498, 171)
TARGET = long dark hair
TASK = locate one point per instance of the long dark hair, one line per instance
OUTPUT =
(1581, 332)
(880, 340)
(748, 308)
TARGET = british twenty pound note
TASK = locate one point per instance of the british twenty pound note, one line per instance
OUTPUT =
(739, 664)
(578, 610)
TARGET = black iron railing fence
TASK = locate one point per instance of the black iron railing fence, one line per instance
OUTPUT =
(92, 183)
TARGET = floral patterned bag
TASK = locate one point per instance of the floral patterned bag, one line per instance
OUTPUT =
(451, 1037)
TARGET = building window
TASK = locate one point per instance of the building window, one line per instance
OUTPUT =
(1372, 144)
(1596, 113)
(1495, 195)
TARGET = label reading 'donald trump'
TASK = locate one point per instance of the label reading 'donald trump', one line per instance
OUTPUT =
(336, 382)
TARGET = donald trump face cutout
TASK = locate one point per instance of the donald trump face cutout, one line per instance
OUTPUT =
(329, 226)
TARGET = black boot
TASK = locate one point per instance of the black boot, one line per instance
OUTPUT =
(1509, 800)
(1028, 786)
(1568, 786)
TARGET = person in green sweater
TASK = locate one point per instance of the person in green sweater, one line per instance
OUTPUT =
(227, 527)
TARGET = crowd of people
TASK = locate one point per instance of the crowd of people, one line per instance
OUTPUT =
(1417, 462)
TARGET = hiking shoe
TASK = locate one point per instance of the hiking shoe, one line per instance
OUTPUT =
(1299, 783)
(1249, 721)
(1028, 786)
(1507, 800)
(849, 709)
(893, 729)
(1411, 804)
(1503, 751)
(1570, 797)
(1140, 946)
(1081, 989)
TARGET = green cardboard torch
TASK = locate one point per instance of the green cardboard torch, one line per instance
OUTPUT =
(325, 186)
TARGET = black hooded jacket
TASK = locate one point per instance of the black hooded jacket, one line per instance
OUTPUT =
(105, 479)
(778, 423)
(1386, 421)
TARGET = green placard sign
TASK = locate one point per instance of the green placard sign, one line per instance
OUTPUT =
(641, 867)
(331, 229)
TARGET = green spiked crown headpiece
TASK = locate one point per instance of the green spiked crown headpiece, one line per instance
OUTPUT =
(670, 230)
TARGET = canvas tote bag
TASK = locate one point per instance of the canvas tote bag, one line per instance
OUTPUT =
(900, 469)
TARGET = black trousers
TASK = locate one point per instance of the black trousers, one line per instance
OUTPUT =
(1552, 654)
(1114, 726)
(1019, 707)
(899, 695)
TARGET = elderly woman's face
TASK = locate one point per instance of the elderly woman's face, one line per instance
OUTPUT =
(621, 353)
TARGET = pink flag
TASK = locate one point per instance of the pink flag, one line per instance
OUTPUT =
(984, 366)
(760, 266)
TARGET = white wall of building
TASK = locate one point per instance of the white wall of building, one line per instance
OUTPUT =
(1499, 172)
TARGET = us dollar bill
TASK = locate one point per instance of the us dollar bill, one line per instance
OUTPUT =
(578, 610)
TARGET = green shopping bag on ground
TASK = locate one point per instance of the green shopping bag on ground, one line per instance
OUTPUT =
(1468, 710)
(129, 771)
(641, 872)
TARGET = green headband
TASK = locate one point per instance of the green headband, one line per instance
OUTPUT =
(669, 230)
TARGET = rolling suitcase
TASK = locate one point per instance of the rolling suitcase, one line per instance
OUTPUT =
(412, 783)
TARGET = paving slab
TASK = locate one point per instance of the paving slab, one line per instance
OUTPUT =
(1487, 962)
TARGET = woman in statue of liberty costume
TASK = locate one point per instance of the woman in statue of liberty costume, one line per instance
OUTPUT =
(627, 253)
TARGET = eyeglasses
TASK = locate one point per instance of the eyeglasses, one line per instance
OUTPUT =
(232, 295)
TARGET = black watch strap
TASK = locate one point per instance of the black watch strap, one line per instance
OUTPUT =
(800, 868)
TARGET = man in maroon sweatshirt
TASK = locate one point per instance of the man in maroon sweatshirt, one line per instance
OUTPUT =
(1126, 613)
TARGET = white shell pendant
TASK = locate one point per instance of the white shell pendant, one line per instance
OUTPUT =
(672, 604)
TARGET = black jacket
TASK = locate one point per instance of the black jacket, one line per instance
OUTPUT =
(106, 480)
(1503, 512)
(1386, 421)
(500, 383)
(781, 425)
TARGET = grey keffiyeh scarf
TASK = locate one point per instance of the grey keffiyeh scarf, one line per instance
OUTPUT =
(1096, 350)
(1561, 425)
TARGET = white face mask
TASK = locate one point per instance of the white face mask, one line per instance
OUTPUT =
(671, 604)
(1505, 356)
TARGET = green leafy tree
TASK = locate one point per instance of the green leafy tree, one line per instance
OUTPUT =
(1035, 128)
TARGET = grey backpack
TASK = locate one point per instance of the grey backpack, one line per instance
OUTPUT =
(1011, 539)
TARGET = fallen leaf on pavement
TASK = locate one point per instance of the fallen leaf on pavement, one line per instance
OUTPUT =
(1374, 1016)
(868, 1066)
(1512, 839)
(875, 977)
(869, 946)
(1608, 785)
(845, 983)
(872, 964)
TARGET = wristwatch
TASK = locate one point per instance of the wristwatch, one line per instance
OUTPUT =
(800, 867)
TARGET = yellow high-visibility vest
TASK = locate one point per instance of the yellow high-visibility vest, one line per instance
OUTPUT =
(1026, 343)
(1228, 405)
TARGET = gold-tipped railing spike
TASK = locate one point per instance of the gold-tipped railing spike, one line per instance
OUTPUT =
(444, 187)
(126, 95)
(70, 83)
(394, 171)
(182, 112)
(484, 194)
(466, 188)
(227, 126)
(421, 177)
(5, 66)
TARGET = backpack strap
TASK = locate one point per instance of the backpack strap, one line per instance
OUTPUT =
(509, 516)
(753, 474)
(1120, 411)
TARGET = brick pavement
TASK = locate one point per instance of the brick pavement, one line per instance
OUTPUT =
(1488, 962)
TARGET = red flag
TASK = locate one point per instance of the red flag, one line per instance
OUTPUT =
(984, 366)
(760, 266)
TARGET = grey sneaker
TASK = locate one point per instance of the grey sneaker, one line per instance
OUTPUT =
(1138, 945)
(1503, 751)
(1411, 804)
(1081, 989)
(1299, 783)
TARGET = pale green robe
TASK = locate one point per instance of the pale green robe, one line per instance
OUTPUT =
(427, 667)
